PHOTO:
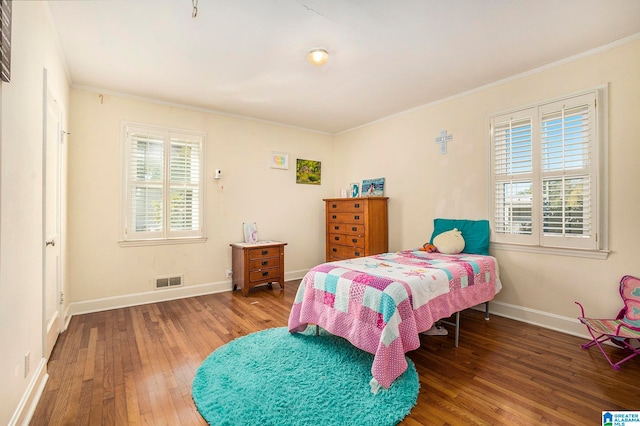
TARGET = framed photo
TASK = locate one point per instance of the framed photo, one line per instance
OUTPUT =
(354, 190)
(308, 172)
(279, 160)
(250, 232)
(373, 187)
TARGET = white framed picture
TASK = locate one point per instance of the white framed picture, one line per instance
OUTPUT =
(279, 160)
(354, 190)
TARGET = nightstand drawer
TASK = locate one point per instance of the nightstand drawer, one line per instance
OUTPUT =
(263, 274)
(261, 252)
(269, 262)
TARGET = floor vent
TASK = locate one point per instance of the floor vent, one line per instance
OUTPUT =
(166, 282)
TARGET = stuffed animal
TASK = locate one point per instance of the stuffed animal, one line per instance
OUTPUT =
(429, 248)
(449, 242)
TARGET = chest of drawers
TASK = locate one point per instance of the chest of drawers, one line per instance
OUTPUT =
(356, 227)
(258, 263)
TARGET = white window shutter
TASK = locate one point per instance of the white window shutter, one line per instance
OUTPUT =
(164, 178)
(567, 142)
(513, 184)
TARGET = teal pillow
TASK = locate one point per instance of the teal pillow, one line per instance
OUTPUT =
(476, 233)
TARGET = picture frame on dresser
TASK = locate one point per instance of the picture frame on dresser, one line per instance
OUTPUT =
(372, 187)
(354, 190)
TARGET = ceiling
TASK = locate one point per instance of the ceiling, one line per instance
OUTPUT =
(248, 57)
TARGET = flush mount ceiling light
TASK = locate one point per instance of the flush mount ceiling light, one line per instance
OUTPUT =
(318, 57)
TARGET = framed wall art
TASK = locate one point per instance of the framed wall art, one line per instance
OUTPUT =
(308, 172)
(279, 160)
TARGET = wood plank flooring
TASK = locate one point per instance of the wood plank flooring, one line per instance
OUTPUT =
(134, 366)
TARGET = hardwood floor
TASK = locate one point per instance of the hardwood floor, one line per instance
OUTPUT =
(135, 366)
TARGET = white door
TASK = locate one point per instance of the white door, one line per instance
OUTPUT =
(51, 221)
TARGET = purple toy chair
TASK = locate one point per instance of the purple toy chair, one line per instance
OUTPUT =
(624, 329)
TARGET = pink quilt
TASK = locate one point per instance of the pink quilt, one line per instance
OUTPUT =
(381, 303)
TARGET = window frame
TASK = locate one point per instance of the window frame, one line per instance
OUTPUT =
(165, 235)
(597, 156)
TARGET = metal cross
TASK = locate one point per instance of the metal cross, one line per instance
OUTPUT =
(442, 140)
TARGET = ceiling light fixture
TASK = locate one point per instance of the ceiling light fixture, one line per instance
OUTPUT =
(318, 57)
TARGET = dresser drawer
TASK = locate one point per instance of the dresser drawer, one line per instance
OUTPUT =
(258, 253)
(262, 263)
(263, 274)
(351, 217)
(346, 240)
(346, 228)
(345, 252)
(345, 206)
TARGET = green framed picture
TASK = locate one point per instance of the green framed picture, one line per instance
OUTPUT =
(308, 172)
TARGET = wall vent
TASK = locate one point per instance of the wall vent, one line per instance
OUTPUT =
(166, 282)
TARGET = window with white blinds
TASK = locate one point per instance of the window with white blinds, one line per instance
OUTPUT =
(546, 161)
(163, 183)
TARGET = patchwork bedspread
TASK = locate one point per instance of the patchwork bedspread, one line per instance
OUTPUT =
(381, 303)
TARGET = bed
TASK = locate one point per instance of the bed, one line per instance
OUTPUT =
(381, 303)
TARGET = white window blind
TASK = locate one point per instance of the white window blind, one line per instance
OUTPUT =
(545, 164)
(164, 181)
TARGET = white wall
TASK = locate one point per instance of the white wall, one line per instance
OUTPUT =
(423, 185)
(33, 49)
(104, 274)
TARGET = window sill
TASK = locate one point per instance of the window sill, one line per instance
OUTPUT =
(556, 251)
(161, 241)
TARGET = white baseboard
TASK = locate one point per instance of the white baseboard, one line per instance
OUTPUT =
(31, 397)
(295, 275)
(115, 302)
(567, 325)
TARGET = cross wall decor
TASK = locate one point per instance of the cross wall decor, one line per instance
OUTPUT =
(442, 140)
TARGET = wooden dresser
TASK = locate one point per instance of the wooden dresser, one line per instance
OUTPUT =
(258, 263)
(356, 227)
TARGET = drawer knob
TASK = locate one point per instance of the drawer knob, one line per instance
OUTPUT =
(336, 238)
(357, 254)
(336, 227)
(265, 251)
(357, 205)
(354, 240)
(265, 273)
(334, 206)
(356, 217)
(264, 262)
(334, 250)
(354, 229)
(334, 217)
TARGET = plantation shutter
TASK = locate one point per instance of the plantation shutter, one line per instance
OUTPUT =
(512, 158)
(164, 181)
(184, 194)
(146, 177)
(567, 144)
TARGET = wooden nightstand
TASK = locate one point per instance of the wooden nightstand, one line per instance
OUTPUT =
(258, 263)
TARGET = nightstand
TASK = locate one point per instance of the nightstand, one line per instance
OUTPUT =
(258, 263)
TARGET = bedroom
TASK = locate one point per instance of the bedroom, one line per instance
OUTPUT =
(99, 274)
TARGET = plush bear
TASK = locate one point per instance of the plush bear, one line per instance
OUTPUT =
(449, 242)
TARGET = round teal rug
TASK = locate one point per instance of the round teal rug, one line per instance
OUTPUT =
(273, 377)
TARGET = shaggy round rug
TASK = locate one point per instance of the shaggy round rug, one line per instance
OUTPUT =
(273, 377)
